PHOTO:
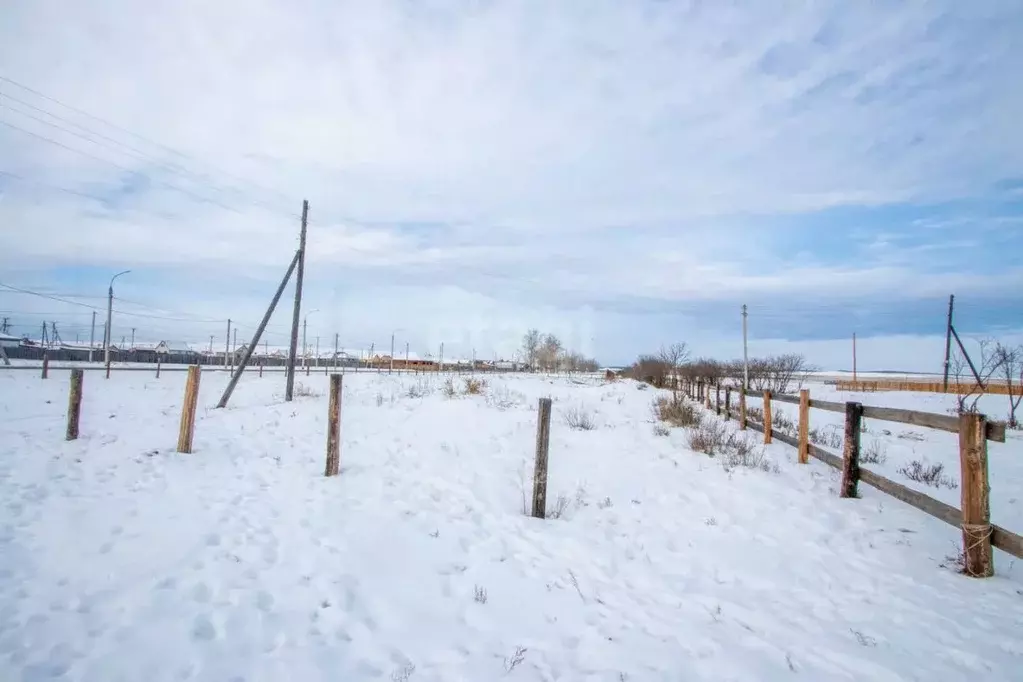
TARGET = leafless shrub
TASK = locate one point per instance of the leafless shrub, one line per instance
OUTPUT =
(474, 386)
(781, 423)
(755, 414)
(826, 438)
(578, 418)
(606, 503)
(380, 399)
(911, 435)
(1010, 368)
(479, 595)
(874, 453)
(515, 659)
(955, 561)
(741, 451)
(708, 438)
(303, 391)
(676, 412)
(862, 639)
(929, 474)
(987, 364)
(661, 430)
(419, 389)
(559, 508)
(449, 388)
(503, 398)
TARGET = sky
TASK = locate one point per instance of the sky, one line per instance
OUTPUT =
(625, 175)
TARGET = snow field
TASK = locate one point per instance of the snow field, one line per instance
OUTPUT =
(123, 560)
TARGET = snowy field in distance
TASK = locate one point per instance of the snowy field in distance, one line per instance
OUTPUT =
(122, 560)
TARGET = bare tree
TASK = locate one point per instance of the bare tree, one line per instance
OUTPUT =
(530, 347)
(986, 364)
(550, 352)
(1010, 368)
(673, 357)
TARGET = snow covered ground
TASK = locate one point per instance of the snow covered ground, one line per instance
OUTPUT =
(123, 560)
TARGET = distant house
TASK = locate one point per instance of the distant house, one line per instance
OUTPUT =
(173, 348)
(8, 341)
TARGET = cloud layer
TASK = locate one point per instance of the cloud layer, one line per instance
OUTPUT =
(497, 165)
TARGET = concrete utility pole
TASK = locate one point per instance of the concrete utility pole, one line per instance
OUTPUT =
(92, 334)
(110, 309)
(227, 343)
(745, 350)
(289, 390)
(211, 344)
(335, 350)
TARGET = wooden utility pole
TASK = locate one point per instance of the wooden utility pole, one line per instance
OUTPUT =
(543, 438)
(745, 352)
(74, 404)
(767, 418)
(289, 390)
(334, 427)
(948, 340)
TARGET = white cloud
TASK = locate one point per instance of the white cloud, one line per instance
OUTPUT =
(606, 150)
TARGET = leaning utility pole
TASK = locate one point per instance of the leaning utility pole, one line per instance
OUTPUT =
(745, 350)
(290, 386)
(247, 355)
(948, 339)
(92, 335)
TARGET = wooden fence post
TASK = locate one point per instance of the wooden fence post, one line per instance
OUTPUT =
(804, 425)
(728, 402)
(187, 428)
(157, 369)
(543, 441)
(717, 399)
(742, 409)
(46, 365)
(307, 369)
(74, 404)
(978, 560)
(706, 396)
(334, 427)
(851, 453)
(767, 418)
(260, 370)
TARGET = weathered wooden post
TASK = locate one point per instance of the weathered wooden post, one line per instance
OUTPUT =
(804, 426)
(978, 560)
(742, 409)
(706, 396)
(767, 418)
(261, 370)
(543, 438)
(728, 402)
(334, 427)
(307, 369)
(74, 404)
(717, 399)
(46, 365)
(851, 453)
(157, 369)
(187, 428)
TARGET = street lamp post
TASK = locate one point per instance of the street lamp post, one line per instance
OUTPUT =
(110, 309)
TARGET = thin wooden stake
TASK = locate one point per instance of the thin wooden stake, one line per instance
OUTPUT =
(728, 403)
(767, 418)
(261, 370)
(157, 369)
(74, 404)
(742, 410)
(978, 560)
(804, 426)
(543, 438)
(717, 399)
(187, 429)
(851, 453)
(46, 366)
(334, 427)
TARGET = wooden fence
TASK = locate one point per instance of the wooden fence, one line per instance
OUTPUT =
(974, 431)
(922, 386)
